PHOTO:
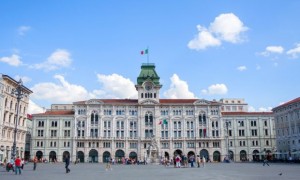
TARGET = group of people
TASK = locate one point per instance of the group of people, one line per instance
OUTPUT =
(184, 161)
(15, 165)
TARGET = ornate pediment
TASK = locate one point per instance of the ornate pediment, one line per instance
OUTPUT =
(202, 102)
(93, 101)
(149, 101)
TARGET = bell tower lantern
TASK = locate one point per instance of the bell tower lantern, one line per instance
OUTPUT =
(148, 85)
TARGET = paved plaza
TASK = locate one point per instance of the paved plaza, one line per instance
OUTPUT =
(224, 171)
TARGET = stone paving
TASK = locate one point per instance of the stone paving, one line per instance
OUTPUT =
(224, 171)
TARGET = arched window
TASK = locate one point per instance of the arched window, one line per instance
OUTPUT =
(92, 118)
(142, 95)
(10, 106)
(148, 119)
(5, 102)
(96, 119)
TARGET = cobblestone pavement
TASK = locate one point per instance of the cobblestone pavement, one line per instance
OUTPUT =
(224, 171)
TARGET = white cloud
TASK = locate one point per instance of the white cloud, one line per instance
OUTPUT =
(23, 29)
(272, 50)
(261, 109)
(62, 92)
(58, 59)
(242, 68)
(251, 109)
(115, 86)
(34, 108)
(226, 27)
(25, 79)
(203, 40)
(178, 89)
(215, 89)
(294, 52)
(265, 109)
(14, 60)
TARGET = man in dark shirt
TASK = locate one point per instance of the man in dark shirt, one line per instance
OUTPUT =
(67, 163)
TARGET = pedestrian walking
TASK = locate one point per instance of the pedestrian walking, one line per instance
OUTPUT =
(35, 160)
(18, 163)
(22, 163)
(108, 164)
(67, 163)
(265, 162)
(203, 161)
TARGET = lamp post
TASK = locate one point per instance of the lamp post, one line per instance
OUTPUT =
(227, 140)
(18, 92)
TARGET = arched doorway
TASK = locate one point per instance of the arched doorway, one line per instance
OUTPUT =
(204, 153)
(243, 155)
(106, 156)
(217, 156)
(93, 156)
(255, 155)
(191, 153)
(231, 156)
(80, 156)
(66, 154)
(39, 155)
(133, 155)
(119, 155)
(167, 155)
(52, 156)
(177, 152)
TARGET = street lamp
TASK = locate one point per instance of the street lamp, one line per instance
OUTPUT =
(227, 139)
(18, 92)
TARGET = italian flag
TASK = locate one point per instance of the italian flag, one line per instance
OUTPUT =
(163, 122)
(144, 52)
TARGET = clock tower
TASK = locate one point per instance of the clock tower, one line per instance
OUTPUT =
(148, 85)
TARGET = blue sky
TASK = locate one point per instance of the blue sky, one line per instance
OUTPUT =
(67, 51)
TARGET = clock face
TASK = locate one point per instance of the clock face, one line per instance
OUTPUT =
(148, 86)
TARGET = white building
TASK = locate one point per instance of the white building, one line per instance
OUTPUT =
(52, 135)
(8, 116)
(287, 122)
(251, 135)
(145, 128)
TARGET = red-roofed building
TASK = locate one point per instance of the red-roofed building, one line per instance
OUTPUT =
(147, 128)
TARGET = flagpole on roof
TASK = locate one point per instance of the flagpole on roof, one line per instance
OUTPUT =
(148, 55)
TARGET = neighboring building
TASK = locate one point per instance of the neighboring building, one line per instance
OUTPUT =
(28, 138)
(8, 107)
(146, 128)
(234, 105)
(251, 135)
(52, 137)
(287, 123)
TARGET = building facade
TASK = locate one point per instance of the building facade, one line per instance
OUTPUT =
(8, 117)
(146, 128)
(287, 122)
(250, 136)
(52, 137)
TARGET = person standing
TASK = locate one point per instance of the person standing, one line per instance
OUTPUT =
(18, 163)
(198, 161)
(35, 160)
(67, 163)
